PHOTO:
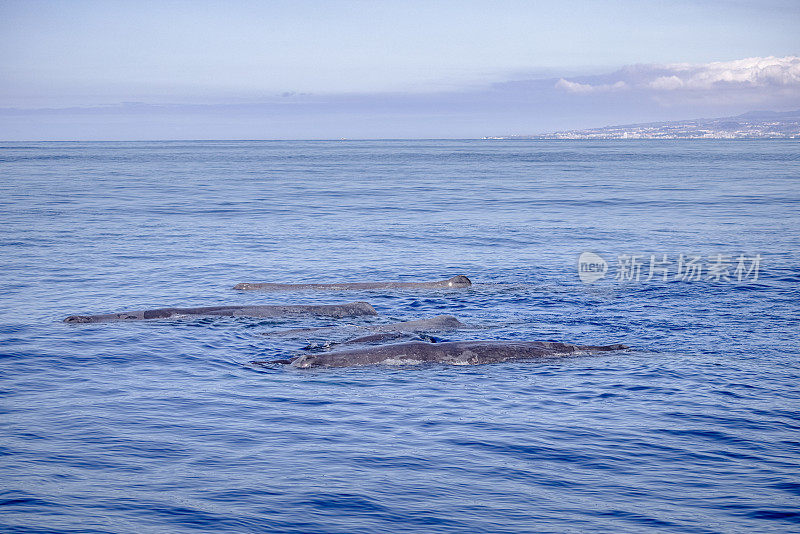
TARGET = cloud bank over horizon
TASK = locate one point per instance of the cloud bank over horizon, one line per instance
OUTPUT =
(634, 93)
(751, 79)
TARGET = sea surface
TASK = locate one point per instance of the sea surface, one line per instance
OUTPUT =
(164, 426)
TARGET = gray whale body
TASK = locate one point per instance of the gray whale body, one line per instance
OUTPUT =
(459, 281)
(454, 353)
(330, 310)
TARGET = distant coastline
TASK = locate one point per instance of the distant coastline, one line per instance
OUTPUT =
(752, 125)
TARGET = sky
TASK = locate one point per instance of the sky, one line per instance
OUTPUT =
(369, 69)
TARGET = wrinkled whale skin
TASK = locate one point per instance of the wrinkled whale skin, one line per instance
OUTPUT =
(432, 324)
(459, 281)
(454, 353)
(329, 310)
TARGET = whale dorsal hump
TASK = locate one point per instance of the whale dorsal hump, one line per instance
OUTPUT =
(459, 281)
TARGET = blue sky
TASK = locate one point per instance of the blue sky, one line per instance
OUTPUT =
(303, 69)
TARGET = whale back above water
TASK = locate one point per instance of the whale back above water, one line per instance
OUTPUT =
(348, 309)
(454, 353)
(455, 282)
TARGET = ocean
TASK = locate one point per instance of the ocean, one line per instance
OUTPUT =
(690, 254)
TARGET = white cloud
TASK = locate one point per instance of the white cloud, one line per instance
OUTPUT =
(768, 73)
(749, 72)
(666, 83)
(575, 87)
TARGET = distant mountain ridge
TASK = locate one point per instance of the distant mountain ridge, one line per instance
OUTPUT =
(750, 125)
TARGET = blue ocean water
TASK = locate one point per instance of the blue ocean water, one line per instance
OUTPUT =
(165, 426)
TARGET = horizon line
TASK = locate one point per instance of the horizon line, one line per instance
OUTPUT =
(533, 137)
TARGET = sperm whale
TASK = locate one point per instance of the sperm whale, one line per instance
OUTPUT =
(329, 310)
(454, 353)
(459, 281)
